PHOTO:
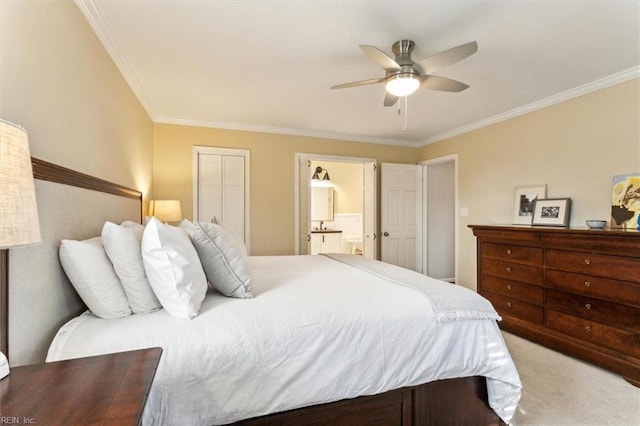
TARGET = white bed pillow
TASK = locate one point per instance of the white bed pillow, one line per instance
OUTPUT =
(173, 269)
(188, 227)
(122, 245)
(224, 259)
(92, 275)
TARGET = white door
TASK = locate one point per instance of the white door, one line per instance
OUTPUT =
(369, 241)
(401, 215)
(221, 188)
(304, 206)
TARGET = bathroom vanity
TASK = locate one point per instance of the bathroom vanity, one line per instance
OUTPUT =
(326, 241)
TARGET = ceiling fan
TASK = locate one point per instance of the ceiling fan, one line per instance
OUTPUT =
(403, 76)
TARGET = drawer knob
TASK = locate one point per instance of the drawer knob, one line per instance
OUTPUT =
(588, 305)
(509, 304)
(508, 251)
(587, 328)
(587, 261)
(508, 268)
(587, 283)
(508, 286)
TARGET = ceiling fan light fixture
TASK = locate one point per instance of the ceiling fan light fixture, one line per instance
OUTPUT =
(402, 84)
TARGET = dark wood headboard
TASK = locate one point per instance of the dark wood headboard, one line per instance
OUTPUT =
(45, 171)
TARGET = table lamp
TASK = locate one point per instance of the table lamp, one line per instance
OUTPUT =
(166, 210)
(19, 224)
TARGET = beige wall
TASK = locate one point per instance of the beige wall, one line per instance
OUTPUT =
(272, 173)
(348, 189)
(59, 83)
(574, 147)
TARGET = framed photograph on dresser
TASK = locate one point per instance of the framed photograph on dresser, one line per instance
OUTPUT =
(552, 212)
(523, 200)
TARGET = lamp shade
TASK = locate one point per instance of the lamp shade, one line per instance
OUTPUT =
(166, 210)
(19, 224)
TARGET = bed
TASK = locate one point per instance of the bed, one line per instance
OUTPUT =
(335, 339)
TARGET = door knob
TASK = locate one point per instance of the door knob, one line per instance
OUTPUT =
(386, 234)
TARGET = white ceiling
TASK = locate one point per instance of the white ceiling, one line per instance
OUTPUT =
(268, 65)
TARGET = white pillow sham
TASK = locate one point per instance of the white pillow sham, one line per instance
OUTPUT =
(224, 259)
(187, 227)
(173, 269)
(122, 245)
(92, 275)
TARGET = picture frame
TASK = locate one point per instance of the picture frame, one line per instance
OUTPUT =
(524, 198)
(625, 201)
(552, 212)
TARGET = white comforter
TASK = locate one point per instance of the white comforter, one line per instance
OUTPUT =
(317, 330)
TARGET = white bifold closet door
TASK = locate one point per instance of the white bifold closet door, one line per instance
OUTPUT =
(221, 188)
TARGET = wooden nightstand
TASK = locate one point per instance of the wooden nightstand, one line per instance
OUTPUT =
(105, 389)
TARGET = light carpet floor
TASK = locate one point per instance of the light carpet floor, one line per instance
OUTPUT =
(561, 391)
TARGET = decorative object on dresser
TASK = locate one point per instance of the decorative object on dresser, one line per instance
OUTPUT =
(625, 201)
(574, 290)
(19, 225)
(552, 212)
(596, 224)
(523, 201)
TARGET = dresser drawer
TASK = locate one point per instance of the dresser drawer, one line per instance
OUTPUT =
(513, 271)
(517, 290)
(513, 253)
(509, 306)
(616, 267)
(592, 286)
(619, 316)
(599, 334)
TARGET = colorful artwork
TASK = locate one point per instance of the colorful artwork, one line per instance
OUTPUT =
(625, 201)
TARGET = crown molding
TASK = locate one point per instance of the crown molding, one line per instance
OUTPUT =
(287, 131)
(97, 23)
(593, 86)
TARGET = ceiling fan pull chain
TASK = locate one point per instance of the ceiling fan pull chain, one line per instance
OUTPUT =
(406, 113)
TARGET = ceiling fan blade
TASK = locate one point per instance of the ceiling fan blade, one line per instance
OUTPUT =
(380, 58)
(448, 57)
(358, 83)
(435, 82)
(389, 99)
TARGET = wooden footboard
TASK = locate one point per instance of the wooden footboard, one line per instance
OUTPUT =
(461, 401)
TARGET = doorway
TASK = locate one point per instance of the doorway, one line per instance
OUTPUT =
(419, 222)
(351, 226)
(441, 219)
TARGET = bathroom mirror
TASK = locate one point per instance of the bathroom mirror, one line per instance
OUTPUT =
(321, 203)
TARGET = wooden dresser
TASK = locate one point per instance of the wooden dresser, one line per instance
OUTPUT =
(573, 290)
